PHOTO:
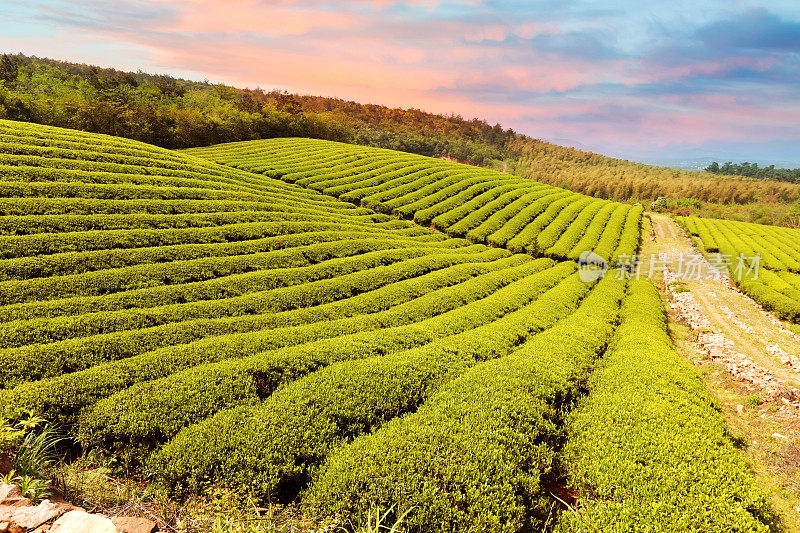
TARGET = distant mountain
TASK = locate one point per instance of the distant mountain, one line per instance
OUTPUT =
(698, 163)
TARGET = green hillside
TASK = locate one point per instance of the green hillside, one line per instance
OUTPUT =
(482, 205)
(177, 113)
(253, 328)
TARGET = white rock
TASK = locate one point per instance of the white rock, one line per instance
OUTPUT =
(31, 517)
(83, 522)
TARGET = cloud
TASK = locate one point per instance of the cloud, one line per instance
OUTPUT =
(623, 75)
(104, 16)
(755, 29)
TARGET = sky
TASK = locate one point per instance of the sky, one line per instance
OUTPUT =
(639, 79)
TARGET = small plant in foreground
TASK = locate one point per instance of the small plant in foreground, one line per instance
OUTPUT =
(30, 450)
(37, 452)
(376, 521)
(33, 489)
(14, 424)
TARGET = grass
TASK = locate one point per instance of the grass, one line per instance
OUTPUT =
(34, 489)
(87, 482)
(29, 449)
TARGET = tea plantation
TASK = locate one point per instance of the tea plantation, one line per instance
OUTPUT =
(343, 327)
(763, 261)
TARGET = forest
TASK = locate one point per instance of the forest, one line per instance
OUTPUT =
(176, 113)
(752, 170)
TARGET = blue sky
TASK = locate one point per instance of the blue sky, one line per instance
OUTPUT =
(640, 80)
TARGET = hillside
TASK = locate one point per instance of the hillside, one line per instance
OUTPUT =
(175, 113)
(248, 327)
(618, 179)
(482, 205)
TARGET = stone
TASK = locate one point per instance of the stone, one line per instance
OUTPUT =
(5, 464)
(740, 408)
(82, 522)
(128, 524)
(32, 517)
(14, 502)
(4, 527)
(11, 496)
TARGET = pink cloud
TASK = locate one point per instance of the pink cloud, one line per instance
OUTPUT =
(526, 74)
(658, 72)
(260, 18)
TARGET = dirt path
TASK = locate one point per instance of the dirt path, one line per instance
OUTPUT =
(753, 345)
(748, 359)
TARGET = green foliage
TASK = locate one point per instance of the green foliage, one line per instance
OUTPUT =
(483, 206)
(176, 113)
(30, 446)
(685, 202)
(376, 520)
(9, 68)
(752, 170)
(229, 316)
(471, 458)
(753, 401)
(659, 204)
(33, 489)
(648, 449)
(350, 398)
(165, 405)
(763, 261)
(15, 424)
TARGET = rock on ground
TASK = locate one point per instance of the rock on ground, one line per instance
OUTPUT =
(126, 524)
(19, 515)
(83, 522)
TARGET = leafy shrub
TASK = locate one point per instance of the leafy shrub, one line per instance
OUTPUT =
(648, 448)
(471, 458)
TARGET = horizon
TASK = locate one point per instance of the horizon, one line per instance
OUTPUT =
(665, 84)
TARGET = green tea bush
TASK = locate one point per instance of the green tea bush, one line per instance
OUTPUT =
(648, 448)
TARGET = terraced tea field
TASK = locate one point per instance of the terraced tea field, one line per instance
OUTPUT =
(764, 261)
(481, 205)
(253, 327)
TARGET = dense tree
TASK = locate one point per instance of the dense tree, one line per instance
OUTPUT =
(752, 170)
(176, 113)
(8, 68)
